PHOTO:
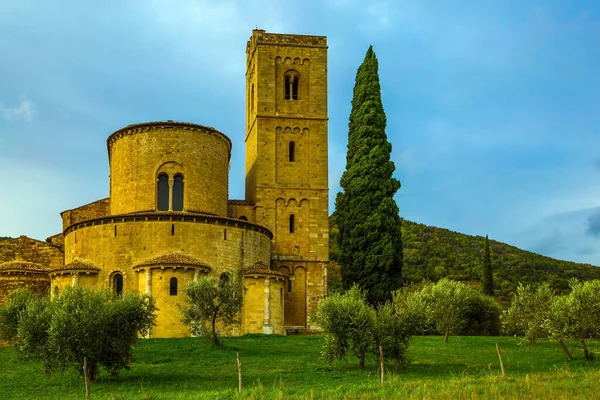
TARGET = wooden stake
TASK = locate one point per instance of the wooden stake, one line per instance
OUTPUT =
(381, 363)
(86, 379)
(500, 358)
(239, 364)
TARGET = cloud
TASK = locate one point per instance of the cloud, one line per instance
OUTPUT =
(593, 225)
(25, 111)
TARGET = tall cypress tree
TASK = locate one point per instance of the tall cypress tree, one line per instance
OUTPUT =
(370, 236)
(487, 277)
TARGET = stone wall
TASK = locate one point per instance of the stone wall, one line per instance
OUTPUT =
(139, 153)
(27, 249)
(97, 209)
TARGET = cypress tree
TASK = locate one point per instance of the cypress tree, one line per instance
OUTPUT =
(487, 278)
(370, 236)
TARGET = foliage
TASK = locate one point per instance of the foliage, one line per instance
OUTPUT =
(369, 238)
(527, 312)
(84, 323)
(16, 302)
(487, 277)
(211, 301)
(432, 253)
(392, 331)
(348, 323)
(5, 238)
(576, 315)
(278, 367)
(447, 307)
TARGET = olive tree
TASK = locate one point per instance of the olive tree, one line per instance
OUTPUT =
(210, 302)
(575, 316)
(83, 328)
(347, 322)
(9, 314)
(527, 312)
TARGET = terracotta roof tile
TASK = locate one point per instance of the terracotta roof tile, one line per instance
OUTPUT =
(173, 259)
(78, 264)
(261, 269)
(18, 265)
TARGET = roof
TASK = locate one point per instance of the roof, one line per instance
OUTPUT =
(25, 266)
(77, 265)
(241, 202)
(162, 124)
(173, 259)
(170, 214)
(260, 269)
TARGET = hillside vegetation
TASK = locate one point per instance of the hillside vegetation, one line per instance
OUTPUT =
(432, 253)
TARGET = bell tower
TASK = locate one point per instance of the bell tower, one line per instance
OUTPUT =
(286, 160)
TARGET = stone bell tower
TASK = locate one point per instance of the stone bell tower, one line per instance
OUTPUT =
(286, 160)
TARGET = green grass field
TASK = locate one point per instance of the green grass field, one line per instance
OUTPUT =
(288, 367)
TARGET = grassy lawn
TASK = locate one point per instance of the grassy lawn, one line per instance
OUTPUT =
(288, 367)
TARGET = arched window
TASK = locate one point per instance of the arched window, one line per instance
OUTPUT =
(178, 193)
(224, 278)
(163, 193)
(118, 284)
(173, 287)
(292, 151)
(243, 218)
(289, 285)
(291, 83)
(292, 223)
(252, 99)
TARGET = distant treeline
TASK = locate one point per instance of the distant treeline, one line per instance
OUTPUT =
(4, 237)
(432, 253)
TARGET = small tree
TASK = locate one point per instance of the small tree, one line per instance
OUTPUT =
(447, 306)
(392, 331)
(575, 316)
(10, 312)
(347, 322)
(487, 277)
(527, 312)
(83, 327)
(212, 301)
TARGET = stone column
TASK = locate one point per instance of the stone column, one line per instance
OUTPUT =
(267, 328)
(148, 281)
(171, 182)
(75, 279)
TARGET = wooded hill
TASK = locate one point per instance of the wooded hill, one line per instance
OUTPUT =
(432, 253)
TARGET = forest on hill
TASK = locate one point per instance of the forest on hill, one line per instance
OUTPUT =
(432, 253)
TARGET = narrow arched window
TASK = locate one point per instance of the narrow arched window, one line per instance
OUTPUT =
(224, 278)
(252, 99)
(243, 218)
(292, 223)
(289, 285)
(163, 193)
(178, 193)
(173, 287)
(291, 85)
(292, 151)
(118, 284)
(288, 87)
(295, 82)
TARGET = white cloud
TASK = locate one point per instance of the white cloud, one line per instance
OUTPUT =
(25, 111)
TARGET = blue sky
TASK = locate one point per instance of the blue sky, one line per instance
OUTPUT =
(493, 107)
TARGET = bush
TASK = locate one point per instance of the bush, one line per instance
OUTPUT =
(10, 314)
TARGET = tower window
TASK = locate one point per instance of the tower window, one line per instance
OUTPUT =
(173, 287)
(292, 223)
(163, 193)
(289, 285)
(118, 284)
(291, 83)
(178, 193)
(292, 151)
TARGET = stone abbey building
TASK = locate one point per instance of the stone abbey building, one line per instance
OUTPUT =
(168, 219)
